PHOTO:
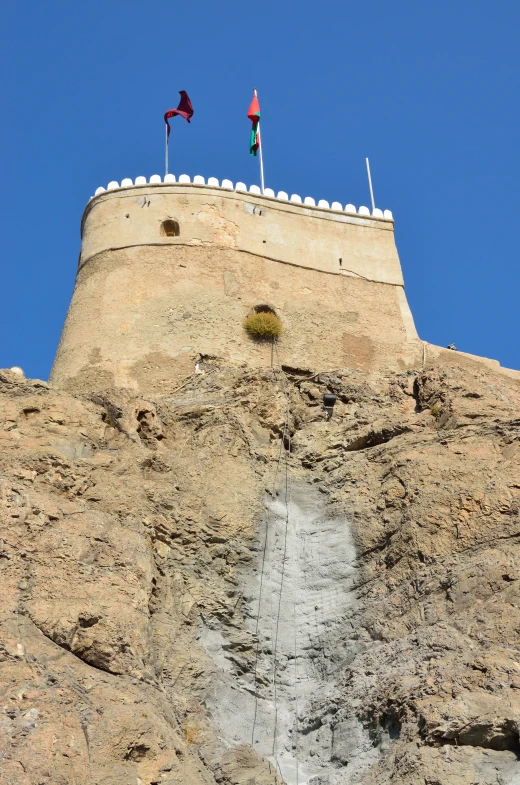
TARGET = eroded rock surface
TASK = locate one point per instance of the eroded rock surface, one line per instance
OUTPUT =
(131, 553)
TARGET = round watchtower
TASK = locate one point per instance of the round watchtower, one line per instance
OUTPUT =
(169, 270)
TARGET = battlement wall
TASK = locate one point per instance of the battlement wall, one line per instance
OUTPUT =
(286, 231)
(168, 271)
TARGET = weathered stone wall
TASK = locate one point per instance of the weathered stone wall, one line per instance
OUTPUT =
(146, 306)
(295, 234)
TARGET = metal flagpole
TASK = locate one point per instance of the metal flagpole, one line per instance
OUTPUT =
(260, 151)
(166, 151)
(370, 186)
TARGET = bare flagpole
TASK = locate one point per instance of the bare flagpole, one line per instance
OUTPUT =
(166, 151)
(260, 151)
(370, 186)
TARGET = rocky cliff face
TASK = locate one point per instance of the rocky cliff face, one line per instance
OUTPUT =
(185, 600)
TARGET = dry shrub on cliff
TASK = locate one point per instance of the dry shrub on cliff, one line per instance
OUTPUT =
(263, 326)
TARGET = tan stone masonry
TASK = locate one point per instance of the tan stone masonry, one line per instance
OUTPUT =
(148, 303)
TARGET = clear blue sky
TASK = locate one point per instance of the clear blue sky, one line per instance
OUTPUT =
(429, 91)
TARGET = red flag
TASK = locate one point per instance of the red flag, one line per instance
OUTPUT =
(185, 109)
(254, 110)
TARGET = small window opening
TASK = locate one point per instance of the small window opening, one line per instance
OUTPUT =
(263, 308)
(341, 262)
(170, 229)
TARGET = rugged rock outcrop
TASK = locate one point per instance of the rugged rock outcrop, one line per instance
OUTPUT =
(169, 616)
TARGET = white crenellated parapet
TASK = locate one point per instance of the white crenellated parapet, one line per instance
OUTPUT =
(241, 187)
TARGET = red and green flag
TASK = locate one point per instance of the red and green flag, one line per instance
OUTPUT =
(254, 116)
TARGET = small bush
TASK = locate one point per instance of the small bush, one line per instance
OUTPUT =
(263, 326)
(435, 412)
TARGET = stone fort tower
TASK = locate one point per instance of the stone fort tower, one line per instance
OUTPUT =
(168, 271)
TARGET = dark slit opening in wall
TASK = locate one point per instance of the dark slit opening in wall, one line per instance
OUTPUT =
(170, 228)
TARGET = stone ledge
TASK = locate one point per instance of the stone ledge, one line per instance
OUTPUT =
(239, 187)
